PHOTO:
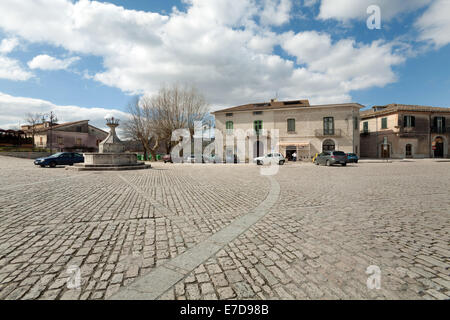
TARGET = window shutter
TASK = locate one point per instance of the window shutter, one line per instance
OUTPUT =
(443, 122)
(413, 121)
(404, 121)
(435, 122)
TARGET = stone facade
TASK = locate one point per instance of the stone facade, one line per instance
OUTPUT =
(405, 131)
(72, 136)
(302, 128)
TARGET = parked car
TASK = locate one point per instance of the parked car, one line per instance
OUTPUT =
(351, 157)
(61, 158)
(269, 158)
(329, 158)
(167, 158)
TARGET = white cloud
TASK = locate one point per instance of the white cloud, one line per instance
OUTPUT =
(276, 12)
(11, 69)
(216, 45)
(46, 62)
(344, 10)
(334, 69)
(434, 24)
(8, 45)
(13, 111)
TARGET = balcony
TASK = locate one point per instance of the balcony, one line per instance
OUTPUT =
(328, 133)
(440, 130)
(407, 132)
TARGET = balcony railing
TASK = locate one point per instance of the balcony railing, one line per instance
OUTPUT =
(328, 132)
(440, 129)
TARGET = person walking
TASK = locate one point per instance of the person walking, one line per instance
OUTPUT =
(294, 156)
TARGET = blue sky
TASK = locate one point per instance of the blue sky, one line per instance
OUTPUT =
(84, 59)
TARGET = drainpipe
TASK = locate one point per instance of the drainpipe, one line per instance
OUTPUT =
(429, 136)
(376, 136)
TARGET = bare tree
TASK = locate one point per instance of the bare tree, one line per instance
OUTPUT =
(178, 107)
(32, 119)
(154, 118)
(141, 126)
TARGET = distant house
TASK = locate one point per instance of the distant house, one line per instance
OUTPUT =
(405, 131)
(77, 136)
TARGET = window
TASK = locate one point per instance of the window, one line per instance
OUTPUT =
(328, 126)
(409, 121)
(41, 142)
(229, 115)
(60, 140)
(256, 113)
(78, 142)
(229, 125)
(383, 123)
(356, 123)
(257, 125)
(291, 125)
(439, 124)
(78, 129)
(366, 126)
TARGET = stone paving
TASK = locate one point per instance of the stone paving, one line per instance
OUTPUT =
(327, 226)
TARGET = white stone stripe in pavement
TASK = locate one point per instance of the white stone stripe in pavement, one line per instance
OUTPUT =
(157, 282)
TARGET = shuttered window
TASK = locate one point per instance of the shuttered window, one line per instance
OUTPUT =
(291, 125)
(409, 121)
(383, 123)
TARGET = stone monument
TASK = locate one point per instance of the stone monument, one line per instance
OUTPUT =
(111, 155)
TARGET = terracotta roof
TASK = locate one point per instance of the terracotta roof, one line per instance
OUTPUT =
(61, 125)
(278, 105)
(394, 107)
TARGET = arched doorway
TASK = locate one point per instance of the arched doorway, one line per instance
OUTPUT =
(258, 149)
(328, 145)
(438, 147)
(408, 150)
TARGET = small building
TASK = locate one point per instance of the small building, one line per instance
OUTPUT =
(77, 136)
(405, 131)
(302, 128)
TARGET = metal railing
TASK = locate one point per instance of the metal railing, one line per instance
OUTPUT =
(328, 132)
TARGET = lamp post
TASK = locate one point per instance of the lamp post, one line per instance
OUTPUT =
(51, 119)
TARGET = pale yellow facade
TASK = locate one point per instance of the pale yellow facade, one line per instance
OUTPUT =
(306, 139)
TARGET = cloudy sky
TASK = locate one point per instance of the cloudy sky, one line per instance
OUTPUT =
(84, 59)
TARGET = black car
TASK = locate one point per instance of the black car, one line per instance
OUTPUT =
(329, 158)
(61, 158)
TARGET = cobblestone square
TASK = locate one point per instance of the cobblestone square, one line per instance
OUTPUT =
(225, 232)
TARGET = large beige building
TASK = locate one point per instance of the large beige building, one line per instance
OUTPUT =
(405, 131)
(302, 128)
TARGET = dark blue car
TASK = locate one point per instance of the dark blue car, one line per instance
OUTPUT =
(61, 158)
(351, 157)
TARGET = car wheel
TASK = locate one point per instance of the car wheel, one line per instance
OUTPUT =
(328, 163)
(344, 164)
(281, 162)
(52, 164)
(316, 163)
(42, 166)
(258, 162)
(356, 161)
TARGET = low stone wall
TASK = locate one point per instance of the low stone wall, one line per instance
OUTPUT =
(25, 155)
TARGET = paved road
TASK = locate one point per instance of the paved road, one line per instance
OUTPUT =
(226, 231)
